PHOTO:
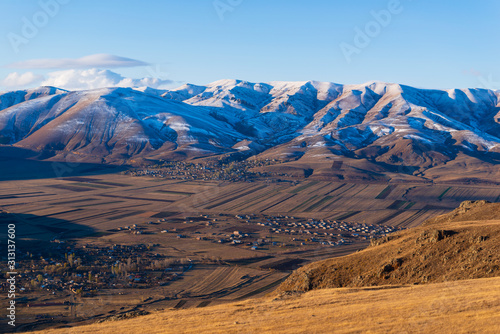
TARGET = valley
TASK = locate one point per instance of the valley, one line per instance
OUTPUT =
(233, 166)
(96, 246)
(130, 201)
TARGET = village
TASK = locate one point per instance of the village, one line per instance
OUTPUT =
(261, 232)
(86, 269)
(220, 170)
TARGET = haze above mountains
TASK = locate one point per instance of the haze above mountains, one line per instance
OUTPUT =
(374, 128)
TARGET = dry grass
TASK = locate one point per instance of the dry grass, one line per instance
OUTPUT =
(471, 306)
(444, 249)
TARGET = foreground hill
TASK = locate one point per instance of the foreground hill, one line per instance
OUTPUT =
(373, 128)
(460, 245)
(471, 306)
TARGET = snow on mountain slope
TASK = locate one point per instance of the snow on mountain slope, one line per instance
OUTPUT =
(23, 119)
(273, 109)
(8, 99)
(386, 123)
(232, 94)
(376, 114)
(184, 92)
(118, 122)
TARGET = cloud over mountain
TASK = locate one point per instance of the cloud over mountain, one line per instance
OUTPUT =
(16, 79)
(91, 61)
(87, 72)
(80, 80)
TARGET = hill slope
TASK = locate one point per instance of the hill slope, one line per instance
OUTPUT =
(114, 125)
(385, 128)
(471, 306)
(455, 246)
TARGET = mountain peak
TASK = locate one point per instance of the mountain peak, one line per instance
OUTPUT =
(384, 123)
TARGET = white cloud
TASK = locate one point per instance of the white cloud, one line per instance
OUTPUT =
(15, 79)
(97, 60)
(95, 78)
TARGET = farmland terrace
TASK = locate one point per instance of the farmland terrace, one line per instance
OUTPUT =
(98, 246)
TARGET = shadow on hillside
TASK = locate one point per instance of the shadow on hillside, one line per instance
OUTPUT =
(20, 164)
(36, 237)
(34, 233)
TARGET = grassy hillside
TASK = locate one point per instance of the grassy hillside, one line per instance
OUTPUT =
(470, 306)
(448, 248)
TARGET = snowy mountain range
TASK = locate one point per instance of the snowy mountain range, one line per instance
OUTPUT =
(385, 124)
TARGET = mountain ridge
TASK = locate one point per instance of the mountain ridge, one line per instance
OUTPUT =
(384, 123)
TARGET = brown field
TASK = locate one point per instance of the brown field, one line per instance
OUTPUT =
(90, 209)
(471, 306)
(104, 201)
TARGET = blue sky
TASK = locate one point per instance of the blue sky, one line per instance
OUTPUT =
(430, 44)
